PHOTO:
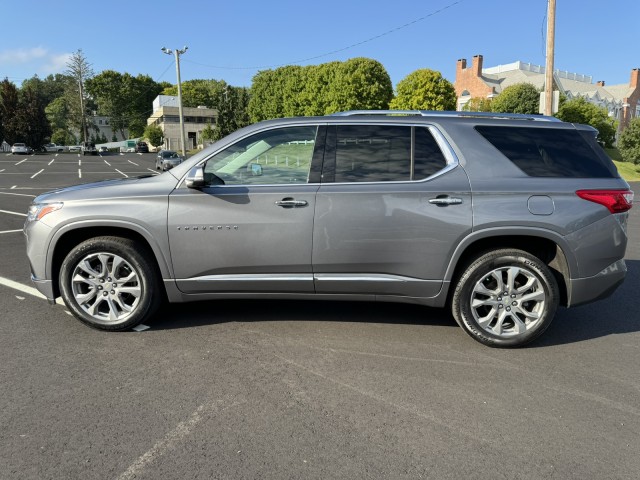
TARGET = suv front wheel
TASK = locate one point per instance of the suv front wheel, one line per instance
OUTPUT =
(110, 283)
(505, 298)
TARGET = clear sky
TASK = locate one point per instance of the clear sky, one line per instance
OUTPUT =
(232, 40)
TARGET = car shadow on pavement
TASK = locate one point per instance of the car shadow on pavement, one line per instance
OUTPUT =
(612, 316)
(188, 315)
(615, 315)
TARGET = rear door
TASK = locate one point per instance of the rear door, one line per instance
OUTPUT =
(392, 207)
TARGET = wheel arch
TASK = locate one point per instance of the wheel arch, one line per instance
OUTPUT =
(71, 235)
(547, 246)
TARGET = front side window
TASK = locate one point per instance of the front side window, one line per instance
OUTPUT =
(383, 153)
(280, 156)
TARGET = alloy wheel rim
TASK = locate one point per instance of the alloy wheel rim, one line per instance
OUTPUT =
(508, 301)
(106, 287)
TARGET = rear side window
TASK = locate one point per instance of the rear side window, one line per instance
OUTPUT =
(382, 153)
(551, 152)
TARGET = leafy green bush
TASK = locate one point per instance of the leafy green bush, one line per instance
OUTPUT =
(578, 110)
(629, 142)
(424, 89)
(518, 98)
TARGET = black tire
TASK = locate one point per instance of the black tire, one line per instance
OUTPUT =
(94, 292)
(512, 320)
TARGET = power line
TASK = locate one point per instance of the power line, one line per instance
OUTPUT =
(353, 45)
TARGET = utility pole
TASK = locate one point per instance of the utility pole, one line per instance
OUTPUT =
(177, 53)
(84, 124)
(548, 82)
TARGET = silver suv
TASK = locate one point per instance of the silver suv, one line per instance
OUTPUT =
(500, 217)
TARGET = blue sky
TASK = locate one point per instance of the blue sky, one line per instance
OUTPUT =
(228, 40)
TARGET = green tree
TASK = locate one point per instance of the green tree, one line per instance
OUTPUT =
(63, 137)
(80, 70)
(424, 90)
(629, 142)
(9, 104)
(154, 134)
(518, 98)
(232, 105)
(478, 104)
(136, 128)
(31, 119)
(108, 90)
(208, 133)
(357, 84)
(578, 110)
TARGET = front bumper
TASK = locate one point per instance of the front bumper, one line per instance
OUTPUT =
(602, 285)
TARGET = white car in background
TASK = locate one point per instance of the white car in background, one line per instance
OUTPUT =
(19, 148)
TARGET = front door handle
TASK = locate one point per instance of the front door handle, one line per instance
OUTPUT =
(291, 203)
(445, 200)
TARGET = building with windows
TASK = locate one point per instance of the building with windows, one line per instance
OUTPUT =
(99, 127)
(166, 115)
(621, 101)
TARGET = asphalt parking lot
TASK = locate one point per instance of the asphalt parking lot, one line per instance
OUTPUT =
(290, 390)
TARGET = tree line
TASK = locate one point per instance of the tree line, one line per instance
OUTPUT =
(56, 107)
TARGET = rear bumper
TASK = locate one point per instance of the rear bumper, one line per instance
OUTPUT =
(602, 285)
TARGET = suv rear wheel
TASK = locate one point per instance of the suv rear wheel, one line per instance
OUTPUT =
(109, 283)
(505, 298)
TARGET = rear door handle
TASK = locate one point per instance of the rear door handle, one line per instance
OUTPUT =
(445, 200)
(291, 203)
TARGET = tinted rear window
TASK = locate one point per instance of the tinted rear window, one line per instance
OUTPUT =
(551, 152)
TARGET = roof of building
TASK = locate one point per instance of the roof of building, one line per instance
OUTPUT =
(573, 84)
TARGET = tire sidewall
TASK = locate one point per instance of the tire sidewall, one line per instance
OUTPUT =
(128, 251)
(461, 305)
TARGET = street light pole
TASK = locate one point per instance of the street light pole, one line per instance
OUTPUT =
(176, 53)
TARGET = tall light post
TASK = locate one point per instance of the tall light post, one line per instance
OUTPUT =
(176, 53)
(551, 33)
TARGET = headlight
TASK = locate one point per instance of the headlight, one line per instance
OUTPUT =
(39, 210)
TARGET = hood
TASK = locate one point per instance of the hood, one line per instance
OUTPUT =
(134, 187)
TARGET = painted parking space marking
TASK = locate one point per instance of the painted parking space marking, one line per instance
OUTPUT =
(22, 161)
(13, 213)
(25, 289)
(17, 194)
(79, 173)
(10, 231)
(133, 163)
(125, 175)
(51, 162)
(2, 170)
(37, 173)
(107, 163)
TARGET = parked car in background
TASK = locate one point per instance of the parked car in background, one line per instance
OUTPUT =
(52, 147)
(142, 147)
(88, 148)
(103, 149)
(75, 148)
(29, 150)
(19, 148)
(167, 159)
(502, 218)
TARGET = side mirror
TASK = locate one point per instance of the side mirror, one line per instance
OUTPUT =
(195, 178)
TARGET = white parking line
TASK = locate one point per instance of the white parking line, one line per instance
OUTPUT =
(11, 231)
(79, 173)
(80, 162)
(2, 170)
(107, 163)
(25, 289)
(21, 161)
(154, 171)
(37, 173)
(133, 163)
(51, 161)
(14, 187)
(19, 194)
(125, 175)
(13, 213)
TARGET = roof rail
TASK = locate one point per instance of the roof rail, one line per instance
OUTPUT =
(434, 113)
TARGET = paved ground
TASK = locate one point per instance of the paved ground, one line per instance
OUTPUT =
(303, 390)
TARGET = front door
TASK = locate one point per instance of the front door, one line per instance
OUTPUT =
(250, 229)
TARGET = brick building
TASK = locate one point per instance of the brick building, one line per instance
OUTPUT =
(621, 101)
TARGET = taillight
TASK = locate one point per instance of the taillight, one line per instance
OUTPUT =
(617, 201)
